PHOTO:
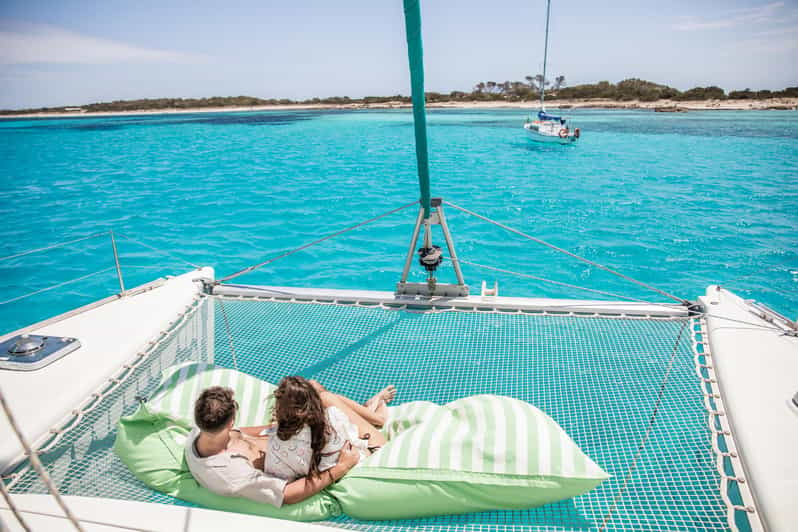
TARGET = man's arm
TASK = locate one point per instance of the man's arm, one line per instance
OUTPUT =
(301, 489)
(254, 431)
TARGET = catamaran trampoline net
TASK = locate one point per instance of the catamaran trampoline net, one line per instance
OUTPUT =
(598, 377)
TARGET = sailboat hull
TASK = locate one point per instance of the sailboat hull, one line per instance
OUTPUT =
(537, 135)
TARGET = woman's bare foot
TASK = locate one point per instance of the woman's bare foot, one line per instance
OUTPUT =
(378, 405)
(384, 396)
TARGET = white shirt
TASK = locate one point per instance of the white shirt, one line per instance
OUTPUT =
(232, 475)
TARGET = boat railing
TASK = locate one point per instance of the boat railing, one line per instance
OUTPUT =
(117, 267)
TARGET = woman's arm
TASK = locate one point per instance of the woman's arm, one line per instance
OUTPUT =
(302, 488)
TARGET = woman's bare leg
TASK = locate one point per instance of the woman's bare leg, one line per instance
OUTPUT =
(375, 417)
(380, 409)
(375, 412)
(376, 439)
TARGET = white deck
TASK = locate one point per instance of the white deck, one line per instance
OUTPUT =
(758, 375)
(110, 335)
(42, 514)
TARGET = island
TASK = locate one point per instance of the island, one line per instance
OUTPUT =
(630, 93)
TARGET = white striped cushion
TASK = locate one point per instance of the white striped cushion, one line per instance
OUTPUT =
(479, 453)
(480, 434)
(407, 415)
(182, 384)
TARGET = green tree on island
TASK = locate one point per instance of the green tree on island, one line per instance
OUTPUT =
(625, 90)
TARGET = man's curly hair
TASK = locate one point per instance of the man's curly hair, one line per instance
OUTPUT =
(214, 409)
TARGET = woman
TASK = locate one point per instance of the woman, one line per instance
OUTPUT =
(313, 426)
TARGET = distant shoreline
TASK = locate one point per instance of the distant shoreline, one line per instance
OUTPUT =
(593, 103)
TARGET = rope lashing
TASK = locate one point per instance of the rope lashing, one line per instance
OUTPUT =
(713, 404)
(37, 464)
(96, 398)
(309, 244)
(13, 507)
(570, 254)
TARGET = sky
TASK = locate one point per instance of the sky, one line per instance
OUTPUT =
(68, 52)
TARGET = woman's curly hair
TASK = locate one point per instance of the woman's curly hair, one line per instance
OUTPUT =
(297, 403)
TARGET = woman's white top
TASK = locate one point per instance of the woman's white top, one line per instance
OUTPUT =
(290, 459)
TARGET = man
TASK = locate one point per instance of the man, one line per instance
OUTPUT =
(229, 461)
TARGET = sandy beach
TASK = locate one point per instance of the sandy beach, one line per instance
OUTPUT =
(595, 103)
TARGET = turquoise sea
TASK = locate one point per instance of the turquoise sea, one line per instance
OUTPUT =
(676, 200)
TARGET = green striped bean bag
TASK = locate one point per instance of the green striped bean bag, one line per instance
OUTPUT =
(479, 453)
(484, 452)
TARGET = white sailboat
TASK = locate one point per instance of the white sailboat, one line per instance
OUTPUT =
(549, 128)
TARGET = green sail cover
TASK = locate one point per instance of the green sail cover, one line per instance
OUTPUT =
(415, 55)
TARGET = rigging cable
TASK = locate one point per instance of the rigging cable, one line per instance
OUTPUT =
(309, 244)
(695, 313)
(57, 285)
(574, 255)
(647, 434)
(53, 246)
(558, 283)
(197, 266)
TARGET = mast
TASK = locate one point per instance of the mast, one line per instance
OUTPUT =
(430, 211)
(415, 57)
(545, 56)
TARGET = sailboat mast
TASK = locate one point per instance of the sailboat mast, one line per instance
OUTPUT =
(415, 56)
(545, 55)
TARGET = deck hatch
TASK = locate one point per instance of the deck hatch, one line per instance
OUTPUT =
(28, 352)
